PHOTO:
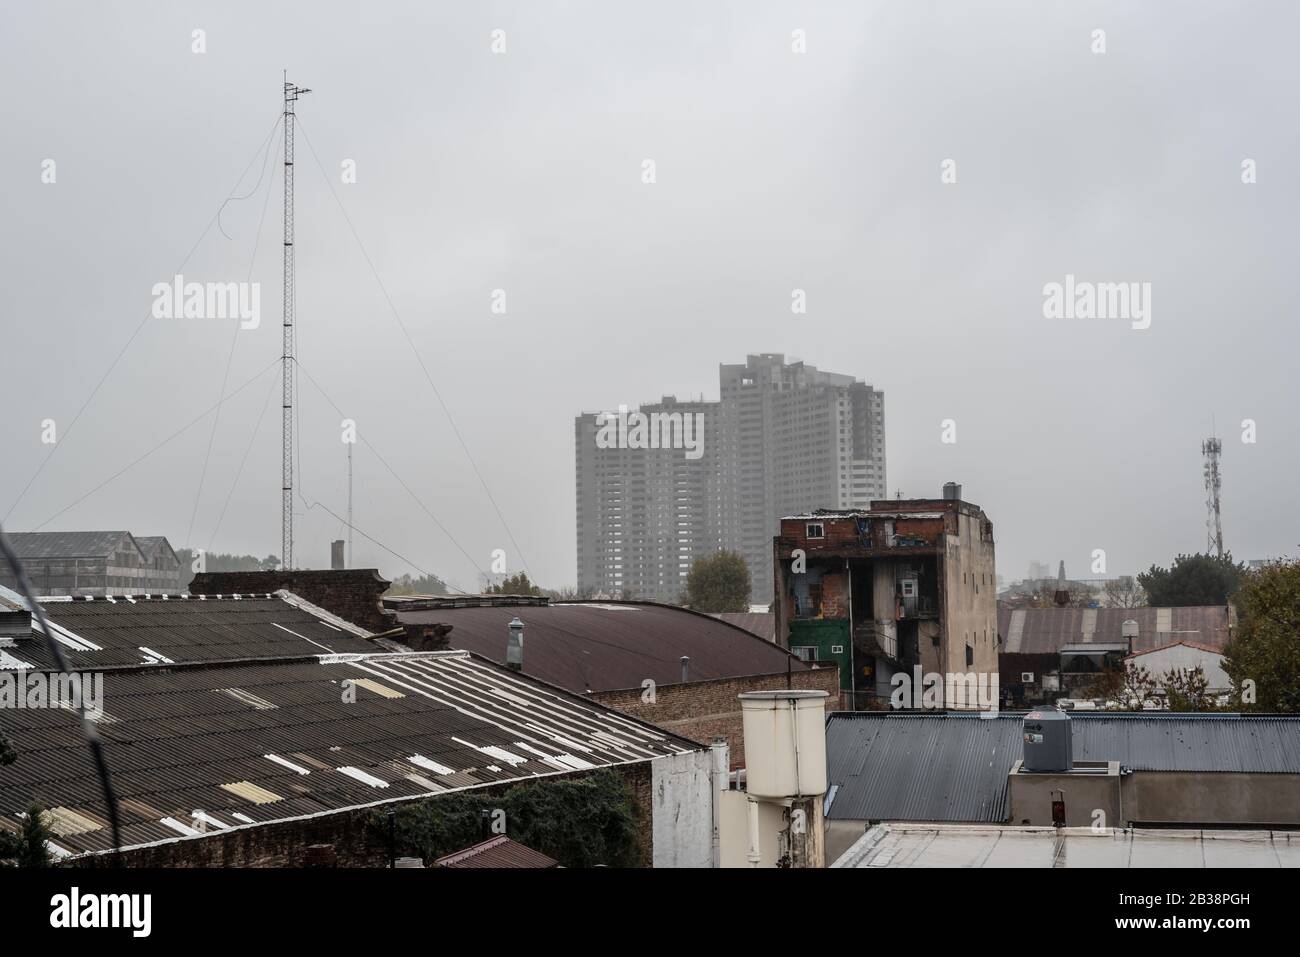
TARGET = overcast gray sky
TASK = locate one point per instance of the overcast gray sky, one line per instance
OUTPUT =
(775, 170)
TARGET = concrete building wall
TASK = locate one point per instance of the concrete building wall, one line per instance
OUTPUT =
(969, 594)
(681, 799)
(1190, 798)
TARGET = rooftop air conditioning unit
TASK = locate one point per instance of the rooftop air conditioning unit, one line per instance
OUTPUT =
(1026, 677)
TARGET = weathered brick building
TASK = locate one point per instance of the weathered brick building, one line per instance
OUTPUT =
(905, 584)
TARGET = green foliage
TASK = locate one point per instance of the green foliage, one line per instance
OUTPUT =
(516, 585)
(1263, 657)
(27, 848)
(222, 562)
(718, 583)
(7, 755)
(581, 822)
(1192, 580)
(424, 585)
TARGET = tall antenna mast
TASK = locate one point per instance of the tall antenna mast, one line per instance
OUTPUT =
(291, 94)
(349, 561)
(1212, 448)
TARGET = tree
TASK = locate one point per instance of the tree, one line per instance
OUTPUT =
(27, 848)
(1124, 592)
(1263, 657)
(516, 585)
(718, 583)
(1192, 580)
(424, 585)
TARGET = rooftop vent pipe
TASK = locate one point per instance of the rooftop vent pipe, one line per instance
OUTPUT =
(515, 645)
(686, 669)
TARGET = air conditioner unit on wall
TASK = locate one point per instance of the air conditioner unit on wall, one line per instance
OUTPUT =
(1026, 677)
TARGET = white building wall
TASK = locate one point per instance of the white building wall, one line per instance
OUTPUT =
(1161, 662)
(682, 802)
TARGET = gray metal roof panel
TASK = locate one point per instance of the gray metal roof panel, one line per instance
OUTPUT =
(954, 767)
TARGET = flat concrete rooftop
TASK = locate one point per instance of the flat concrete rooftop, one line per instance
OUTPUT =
(960, 845)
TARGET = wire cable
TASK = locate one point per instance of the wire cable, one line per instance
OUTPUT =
(442, 528)
(230, 356)
(193, 422)
(419, 359)
(113, 365)
(266, 404)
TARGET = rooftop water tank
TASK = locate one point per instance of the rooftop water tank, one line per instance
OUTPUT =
(785, 742)
(1048, 741)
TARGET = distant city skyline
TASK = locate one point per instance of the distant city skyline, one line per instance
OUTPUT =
(502, 259)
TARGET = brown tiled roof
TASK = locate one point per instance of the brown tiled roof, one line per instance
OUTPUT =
(496, 852)
(1048, 630)
(256, 743)
(610, 646)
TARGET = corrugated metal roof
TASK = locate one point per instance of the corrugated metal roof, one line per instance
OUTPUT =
(178, 745)
(610, 646)
(1034, 631)
(102, 633)
(762, 624)
(36, 546)
(954, 767)
(496, 852)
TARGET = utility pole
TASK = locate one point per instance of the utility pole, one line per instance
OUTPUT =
(287, 369)
(1212, 448)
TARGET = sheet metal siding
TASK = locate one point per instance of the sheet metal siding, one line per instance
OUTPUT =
(927, 769)
(954, 767)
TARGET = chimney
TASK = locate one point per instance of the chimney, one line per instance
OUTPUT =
(515, 645)
(336, 555)
(951, 492)
(686, 669)
(1062, 596)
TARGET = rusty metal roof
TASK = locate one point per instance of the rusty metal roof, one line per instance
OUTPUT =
(953, 767)
(610, 646)
(1034, 631)
(496, 852)
(200, 748)
(120, 631)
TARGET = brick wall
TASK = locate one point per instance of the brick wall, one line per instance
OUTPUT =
(353, 593)
(702, 710)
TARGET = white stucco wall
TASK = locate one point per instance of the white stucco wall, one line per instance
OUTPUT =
(1158, 663)
(682, 802)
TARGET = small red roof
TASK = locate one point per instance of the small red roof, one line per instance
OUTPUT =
(498, 851)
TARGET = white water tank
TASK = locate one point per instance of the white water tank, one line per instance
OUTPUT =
(785, 742)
